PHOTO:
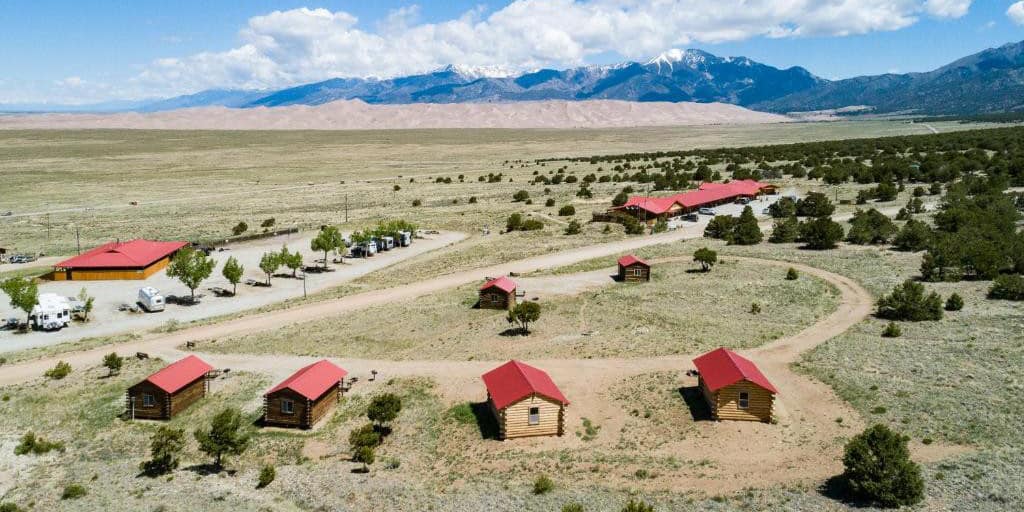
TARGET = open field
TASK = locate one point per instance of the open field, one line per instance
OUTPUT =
(678, 312)
(197, 185)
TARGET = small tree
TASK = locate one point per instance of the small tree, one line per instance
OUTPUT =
(870, 227)
(165, 447)
(706, 257)
(328, 240)
(574, 227)
(1007, 287)
(384, 409)
(514, 222)
(784, 231)
(524, 314)
(113, 363)
(746, 231)
(878, 469)
(820, 233)
(269, 263)
(365, 455)
(914, 236)
(88, 303)
(549, 202)
(24, 293)
(909, 302)
(784, 207)
(191, 267)
(791, 274)
(224, 437)
(567, 210)
(815, 204)
(267, 473)
(292, 260)
(721, 228)
(268, 223)
(520, 196)
(240, 228)
(954, 303)
(233, 271)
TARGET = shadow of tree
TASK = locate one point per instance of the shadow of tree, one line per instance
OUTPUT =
(837, 488)
(207, 469)
(699, 408)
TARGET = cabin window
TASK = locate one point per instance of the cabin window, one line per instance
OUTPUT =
(287, 406)
(534, 415)
(147, 400)
(744, 400)
(638, 272)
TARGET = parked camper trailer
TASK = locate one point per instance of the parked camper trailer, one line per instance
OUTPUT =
(52, 313)
(370, 248)
(387, 243)
(404, 238)
(150, 299)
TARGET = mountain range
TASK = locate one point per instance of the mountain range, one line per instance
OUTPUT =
(989, 81)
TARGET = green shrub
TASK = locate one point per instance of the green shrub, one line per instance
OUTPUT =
(574, 227)
(239, 228)
(58, 372)
(908, 302)
(638, 506)
(1007, 287)
(472, 200)
(568, 507)
(755, 309)
(531, 225)
(267, 475)
(878, 469)
(417, 202)
(268, 223)
(30, 443)
(892, 330)
(543, 485)
(791, 274)
(520, 196)
(785, 231)
(567, 210)
(72, 492)
(550, 202)
(11, 507)
(954, 303)
(820, 233)
(461, 413)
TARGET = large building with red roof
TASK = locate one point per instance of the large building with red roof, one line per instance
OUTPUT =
(706, 196)
(525, 401)
(136, 259)
(733, 386)
(499, 293)
(169, 391)
(301, 400)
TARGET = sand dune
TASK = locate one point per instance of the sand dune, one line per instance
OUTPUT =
(357, 115)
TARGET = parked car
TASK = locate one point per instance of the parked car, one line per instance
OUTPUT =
(743, 200)
(706, 211)
(691, 217)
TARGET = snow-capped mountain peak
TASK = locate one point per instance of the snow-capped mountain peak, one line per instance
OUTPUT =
(475, 72)
(689, 58)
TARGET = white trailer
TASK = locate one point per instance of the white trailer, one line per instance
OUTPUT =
(404, 238)
(387, 243)
(150, 299)
(52, 313)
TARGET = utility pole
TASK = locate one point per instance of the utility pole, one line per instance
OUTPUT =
(346, 208)
(78, 239)
(303, 283)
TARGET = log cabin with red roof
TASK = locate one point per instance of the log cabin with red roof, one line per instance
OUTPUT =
(707, 195)
(169, 391)
(633, 269)
(137, 259)
(734, 388)
(525, 401)
(499, 293)
(304, 398)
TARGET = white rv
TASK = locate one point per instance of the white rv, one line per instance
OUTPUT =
(150, 299)
(52, 313)
(387, 243)
(404, 238)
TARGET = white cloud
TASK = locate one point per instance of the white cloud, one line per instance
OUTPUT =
(71, 81)
(1016, 13)
(947, 8)
(303, 45)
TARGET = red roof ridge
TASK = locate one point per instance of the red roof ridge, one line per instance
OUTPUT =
(630, 259)
(723, 367)
(178, 374)
(515, 380)
(312, 380)
(503, 283)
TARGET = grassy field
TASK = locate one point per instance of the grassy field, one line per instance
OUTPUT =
(197, 185)
(678, 312)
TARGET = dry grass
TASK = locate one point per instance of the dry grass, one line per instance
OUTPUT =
(678, 312)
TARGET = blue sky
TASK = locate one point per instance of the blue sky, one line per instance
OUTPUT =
(74, 51)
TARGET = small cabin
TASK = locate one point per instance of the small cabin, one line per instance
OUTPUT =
(734, 388)
(633, 269)
(498, 293)
(304, 398)
(525, 401)
(169, 391)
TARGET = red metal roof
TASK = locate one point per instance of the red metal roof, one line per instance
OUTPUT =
(723, 367)
(134, 254)
(707, 193)
(179, 374)
(313, 380)
(514, 381)
(503, 283)
(629, 259)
